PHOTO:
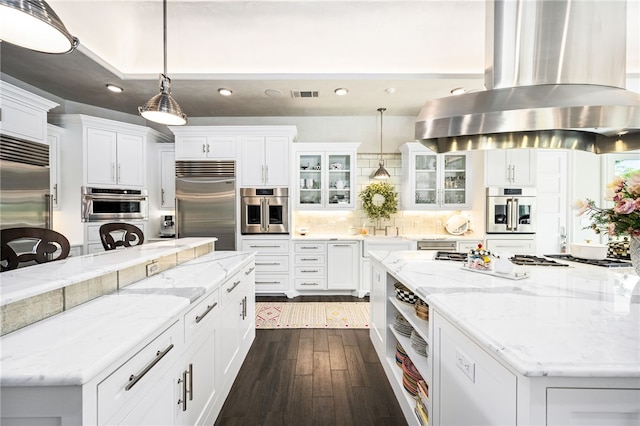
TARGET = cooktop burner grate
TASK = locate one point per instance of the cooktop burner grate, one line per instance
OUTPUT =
(529, 260)
(451, 255)
(607, 263)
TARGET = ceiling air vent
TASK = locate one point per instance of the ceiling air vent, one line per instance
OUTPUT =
(304, 93)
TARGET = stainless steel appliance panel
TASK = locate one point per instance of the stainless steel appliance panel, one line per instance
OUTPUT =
(264, 210)
(511, 210)
(24, 196)
(205, 207)
(106, 204)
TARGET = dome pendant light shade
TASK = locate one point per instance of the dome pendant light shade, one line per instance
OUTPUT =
(32, 24)
(381, 173)
(162, 108)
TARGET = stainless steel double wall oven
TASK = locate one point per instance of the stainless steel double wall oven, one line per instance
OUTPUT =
(264, 210)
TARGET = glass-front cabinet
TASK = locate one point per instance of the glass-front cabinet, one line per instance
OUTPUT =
(325, 175)
(434, 181)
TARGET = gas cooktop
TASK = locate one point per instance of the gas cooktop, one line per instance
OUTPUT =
(607, 263)
(451, 255)
(529, 260)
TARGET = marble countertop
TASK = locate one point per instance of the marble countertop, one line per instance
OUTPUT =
(580, 321)
(22, 283)
(359, 237)
(74, 346)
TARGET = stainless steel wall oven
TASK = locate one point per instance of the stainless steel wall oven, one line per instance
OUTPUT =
(104, 204)
(264, 210)
(511, 210)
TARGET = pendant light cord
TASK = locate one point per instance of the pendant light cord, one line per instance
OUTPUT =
(381, 111)
(164, 30)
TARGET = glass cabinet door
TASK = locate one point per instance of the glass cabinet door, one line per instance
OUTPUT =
(339, 180)
(310, 179)
(455, 179)
(426, 175)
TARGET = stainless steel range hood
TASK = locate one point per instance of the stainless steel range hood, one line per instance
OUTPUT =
(555, 76)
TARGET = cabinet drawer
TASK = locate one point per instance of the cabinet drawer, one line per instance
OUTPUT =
(266, 246)
(272, 263)
(138, 376)
(311, 283)
(310, 271)
(232, 287)
(309, 247)
(309, 259)
(272, 283)
(202, 316)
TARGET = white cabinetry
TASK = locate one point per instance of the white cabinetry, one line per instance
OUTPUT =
(92, 234)
(611, 407)
(115, 158)
(310, 265)
(434, 181)
(384, 244)
(193, 146)
(512, 245)
(510, 167)
(465, 375)
(23, 114)
(265, 161)
(343, 265)
(325, 175)
(167, 179)
(55, 140)
(272, 263)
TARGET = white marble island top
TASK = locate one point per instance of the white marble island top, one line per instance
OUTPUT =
(577, 321)
(74, 346)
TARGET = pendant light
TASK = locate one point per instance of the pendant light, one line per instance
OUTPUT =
(34, 25)
(162, 108)
(381, 173)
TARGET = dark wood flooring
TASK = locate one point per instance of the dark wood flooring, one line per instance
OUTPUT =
(311, 377)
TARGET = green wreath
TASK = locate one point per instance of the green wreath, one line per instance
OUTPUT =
(387, 207)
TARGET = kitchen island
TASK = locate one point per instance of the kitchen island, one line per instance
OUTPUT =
(561, 346)
(161, 350)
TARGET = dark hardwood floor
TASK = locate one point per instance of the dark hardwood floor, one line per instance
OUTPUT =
(311, 377)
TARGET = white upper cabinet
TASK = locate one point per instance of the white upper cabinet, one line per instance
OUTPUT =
(510, 167)
(204, 147)
(434, 181)
(23, 114)
(264, 161)
(325, 175)
(115, 158)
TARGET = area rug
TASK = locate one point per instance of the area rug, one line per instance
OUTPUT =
(274, 315)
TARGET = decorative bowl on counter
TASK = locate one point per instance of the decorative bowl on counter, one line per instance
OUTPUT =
(589, 250)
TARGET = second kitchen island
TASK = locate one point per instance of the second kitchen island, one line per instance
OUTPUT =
(559, 347)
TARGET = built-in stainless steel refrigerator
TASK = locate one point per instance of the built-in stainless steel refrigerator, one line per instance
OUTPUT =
(206, 201)
(24, 184)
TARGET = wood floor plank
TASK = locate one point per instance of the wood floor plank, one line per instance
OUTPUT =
(356, 366)
(321, 375)
(336, 353)
(320, 342)
(304, 364)
(306, 333)
(343, 401)
(291, 342)
(349, 337)
(366, 347)
(300, 406)
(323, 411)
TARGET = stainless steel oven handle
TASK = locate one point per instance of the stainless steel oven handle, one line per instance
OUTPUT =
(509, 214)
(516, 213)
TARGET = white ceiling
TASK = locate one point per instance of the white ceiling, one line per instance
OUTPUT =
(421, 49)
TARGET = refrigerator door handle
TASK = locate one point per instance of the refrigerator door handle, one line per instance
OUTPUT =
(176, 222)
(48, 220)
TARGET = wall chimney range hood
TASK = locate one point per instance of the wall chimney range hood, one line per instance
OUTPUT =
(555, 77)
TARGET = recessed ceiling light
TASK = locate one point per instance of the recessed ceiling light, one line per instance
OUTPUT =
(114, 88)
(225, 92)
(274, 93)
(390, 90)
(341, 91)
(458, 91)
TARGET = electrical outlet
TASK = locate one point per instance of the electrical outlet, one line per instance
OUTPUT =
(438, 224)
(152, 269)
(464, 363)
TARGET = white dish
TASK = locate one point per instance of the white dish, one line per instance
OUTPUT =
(589, 251)
(457, 225)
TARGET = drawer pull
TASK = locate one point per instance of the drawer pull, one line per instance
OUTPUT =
(264, 246)
(268, 282)
(236, 284)
(204, 314)
(268, 264)
(133, 379)
(341, 245)
(308, 283)
(250, 270)
(310, 270)
(309, 258)
(310, 248)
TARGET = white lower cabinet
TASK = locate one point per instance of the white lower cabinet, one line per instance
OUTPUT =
(310, 265)
(272, 263)
(327, 266)
(93, 244)
(465, 375)
(342, 265)
(611, 407)
(512, 245)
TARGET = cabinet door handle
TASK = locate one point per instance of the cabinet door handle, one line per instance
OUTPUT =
(113, 172)
(208, 148)
(250, 270)
(266, 174)
(118, 174)
(55, 193)
(190, 391)
(162, 197)
(204, 314)
(183, 380)
(230, 289)
(133, 379)
(204, 148)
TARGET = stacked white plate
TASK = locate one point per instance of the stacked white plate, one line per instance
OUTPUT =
(418, 343)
